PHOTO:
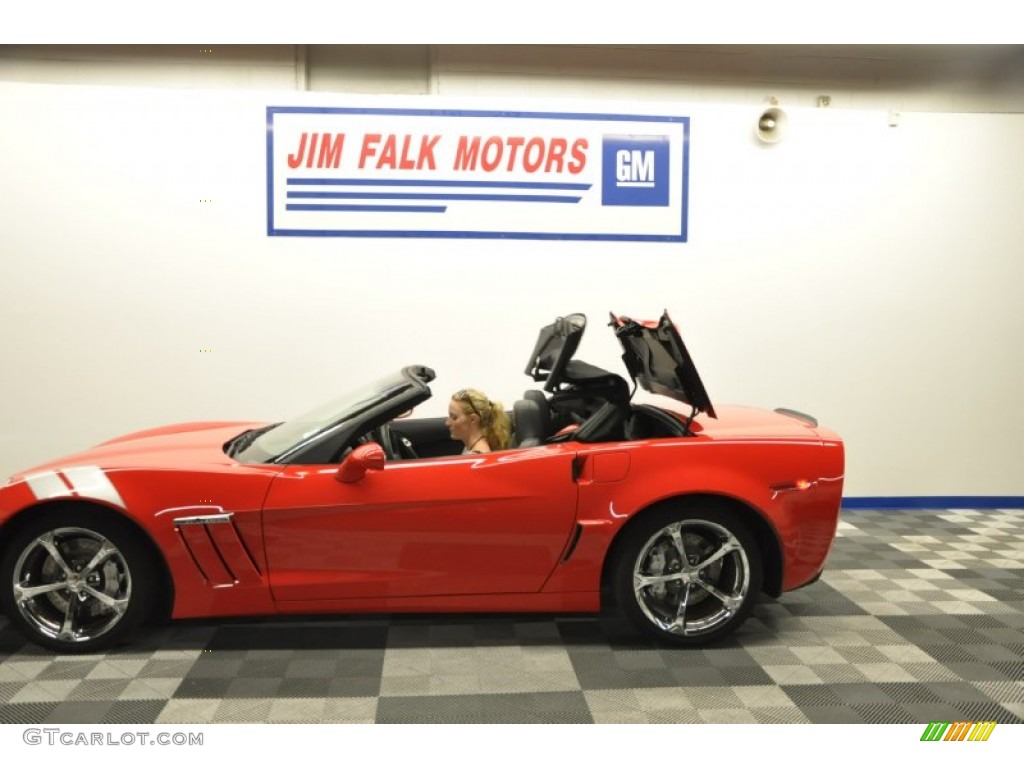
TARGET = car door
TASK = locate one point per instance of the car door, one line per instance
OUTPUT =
(461, 525)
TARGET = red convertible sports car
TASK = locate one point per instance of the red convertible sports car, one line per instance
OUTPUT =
(679, 517)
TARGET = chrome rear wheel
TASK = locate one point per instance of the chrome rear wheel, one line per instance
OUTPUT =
(688, 576)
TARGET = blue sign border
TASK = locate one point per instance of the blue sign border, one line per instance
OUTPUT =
(273, 232)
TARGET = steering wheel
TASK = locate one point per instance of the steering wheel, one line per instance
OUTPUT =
(382, 435)
(395, 445)
(406, 445)
(402, 445)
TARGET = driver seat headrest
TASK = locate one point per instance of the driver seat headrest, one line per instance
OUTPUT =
(531, 423)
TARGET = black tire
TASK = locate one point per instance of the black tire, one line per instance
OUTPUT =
(77, 581)
(665, 595)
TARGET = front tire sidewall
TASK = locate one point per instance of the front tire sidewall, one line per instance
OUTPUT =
(637, 540)
(135, 558)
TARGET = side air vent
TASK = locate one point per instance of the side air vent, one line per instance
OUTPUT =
(573, 541)
(217, 550)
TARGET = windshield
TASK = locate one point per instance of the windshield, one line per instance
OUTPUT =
(303, 429)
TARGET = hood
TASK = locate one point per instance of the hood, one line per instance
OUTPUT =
(656, 358)
(177, 445)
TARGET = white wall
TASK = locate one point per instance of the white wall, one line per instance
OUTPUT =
(864, 273)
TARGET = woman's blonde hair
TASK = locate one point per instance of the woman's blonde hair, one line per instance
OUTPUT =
(494, 422)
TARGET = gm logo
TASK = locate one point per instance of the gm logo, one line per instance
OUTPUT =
(634, 170)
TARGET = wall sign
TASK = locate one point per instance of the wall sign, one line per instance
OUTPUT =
(376, 172)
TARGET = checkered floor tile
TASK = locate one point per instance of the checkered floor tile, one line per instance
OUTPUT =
(919, 617)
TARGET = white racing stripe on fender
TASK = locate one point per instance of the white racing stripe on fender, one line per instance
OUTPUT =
(92, 482)
(47, 485)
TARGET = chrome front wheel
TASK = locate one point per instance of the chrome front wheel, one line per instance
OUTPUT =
(75, 588)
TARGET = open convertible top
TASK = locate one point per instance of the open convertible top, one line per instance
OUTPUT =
(653, 352)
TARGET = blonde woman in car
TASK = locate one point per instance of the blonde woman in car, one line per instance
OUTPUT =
(479, 423)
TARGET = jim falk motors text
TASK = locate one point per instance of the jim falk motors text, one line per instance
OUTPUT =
(398, 151)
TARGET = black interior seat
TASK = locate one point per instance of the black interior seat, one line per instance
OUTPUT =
(537, 396)
(605, 425)
(531, 423)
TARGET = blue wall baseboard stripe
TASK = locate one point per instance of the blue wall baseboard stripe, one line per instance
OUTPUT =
(933, 502)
